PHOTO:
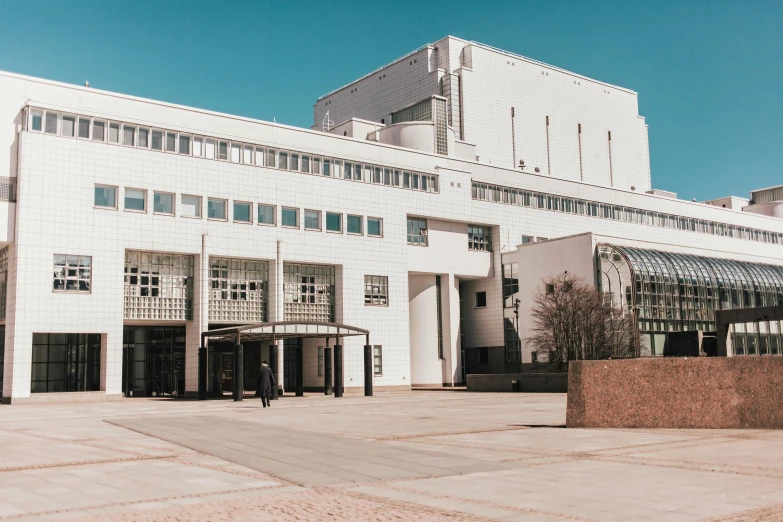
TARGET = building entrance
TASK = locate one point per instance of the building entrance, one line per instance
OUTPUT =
(153, 361)
(221, 367)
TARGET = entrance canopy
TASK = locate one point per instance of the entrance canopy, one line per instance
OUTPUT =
(280, 330)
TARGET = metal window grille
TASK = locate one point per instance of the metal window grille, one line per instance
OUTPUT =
(158, 286)
(238, 290)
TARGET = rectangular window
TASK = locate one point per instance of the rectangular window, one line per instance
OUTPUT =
(406, 180)
(69, 126)
(198, 147)
(337, 168)
(415, 185)
(184, 144)
(266, 215)
(65, 362)
(51, 123)
(357, 172)
(191, 206)
(143, 140)
(136, 200)
(271, 158)
(295, 162)
(527, 240)
(216, 209)
(481, 299)
(114, 132)
(36, 120)
(327, 167)
(171, 142)
(247, 155)
(312, 220)
(348, 171)
(282, 160)
(290, 217)
(163, 203)
(243, 212)
(222, 150)
(417, 232)
(210, 149)
(305, 164)
(72, 273)
(84, 128)
(376, 290)
(236, 152)
(374, 227)
(354, 224)
(157, 140)
(479, 238)
(128, 135)
(376, 175)
(105, 197)
(397, 178)
(334, 222)
(98, 131)
(260, 157)
(377, 359)
(387, 176)
(316, 165)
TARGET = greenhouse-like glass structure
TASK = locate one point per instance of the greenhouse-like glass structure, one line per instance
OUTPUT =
(669, 292)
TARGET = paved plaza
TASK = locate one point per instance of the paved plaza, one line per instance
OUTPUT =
(422, 455)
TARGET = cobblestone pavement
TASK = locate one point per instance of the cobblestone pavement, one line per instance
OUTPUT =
(397, 456)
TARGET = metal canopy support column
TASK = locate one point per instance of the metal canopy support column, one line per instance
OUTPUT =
(273, 364)
(202, 370)
(239, 371)
(368, 367)
(338, 369)
(300, 369)
(327, 369)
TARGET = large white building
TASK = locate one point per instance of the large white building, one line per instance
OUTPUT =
(132, 226)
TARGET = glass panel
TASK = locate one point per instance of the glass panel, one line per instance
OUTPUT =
(98, 130)
(143, 140)
(106, 197)
(135, 199)
(266, 214)
(114, 133)
(354, 224)
(216, 209)
(191, 206)
(51, 123)
(290, 217)
(171, 142)
(236, 151)
(210, 149)
(36, 121)
(157, 140)
(163, 203)
(198, 147)
(184, 144)
(334, 222)
(312, 220)
(128, 135)
(243, 212)
(374, 227)
(69, 124)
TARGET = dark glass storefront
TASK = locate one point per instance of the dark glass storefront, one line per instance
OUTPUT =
(153, 361)
(221, 366)
(66, 363)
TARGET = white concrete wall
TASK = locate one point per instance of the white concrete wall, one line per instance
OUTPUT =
(426, 367)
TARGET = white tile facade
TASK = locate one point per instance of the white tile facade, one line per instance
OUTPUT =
(54, 213)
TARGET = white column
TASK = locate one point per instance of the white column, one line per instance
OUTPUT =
(200, 322)
(451, 344)
(279, 310)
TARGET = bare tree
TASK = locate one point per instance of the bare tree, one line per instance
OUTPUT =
(572, 321)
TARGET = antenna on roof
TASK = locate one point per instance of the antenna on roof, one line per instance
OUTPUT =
(87, 83)
(326, 125)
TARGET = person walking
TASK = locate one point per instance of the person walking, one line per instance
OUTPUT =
(265, 383)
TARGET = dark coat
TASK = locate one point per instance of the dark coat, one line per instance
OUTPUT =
(265, 382)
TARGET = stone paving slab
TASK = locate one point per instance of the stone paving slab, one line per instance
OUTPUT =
(332, 459)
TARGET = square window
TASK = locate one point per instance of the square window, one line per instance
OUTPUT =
(312, 220)
(98, 130)
(354, 224)
(157, 140)
(417, 232)
(128, 135)
(51, 123)
(481, 299)
(243, 212)
(72, 274)
(105, 197)
(184, 144)
(69, 126)
(143, 140)
(290, 217)
(163, 203)
(136, 200)
(216, 209)
(171, 142)
(376, 290)
(266, 215)
(84, 127)
(191, 206)
(374, 227)
(334, 222)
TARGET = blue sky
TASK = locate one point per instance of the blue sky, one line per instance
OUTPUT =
(709, 74)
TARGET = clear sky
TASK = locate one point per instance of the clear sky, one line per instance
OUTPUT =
(709, 74)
